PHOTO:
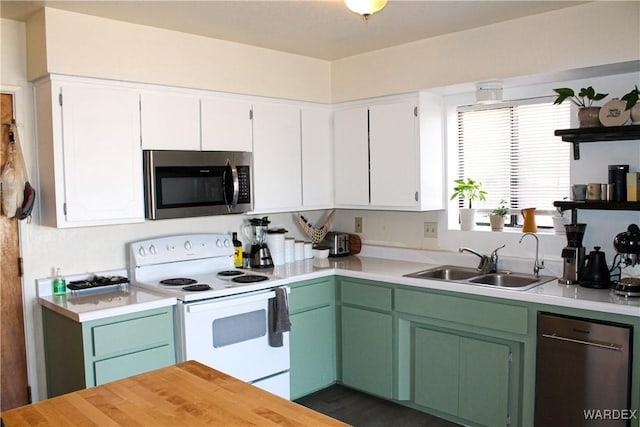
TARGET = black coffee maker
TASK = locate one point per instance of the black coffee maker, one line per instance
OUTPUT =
(573, 254)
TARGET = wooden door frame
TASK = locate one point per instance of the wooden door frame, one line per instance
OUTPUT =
(15, 388)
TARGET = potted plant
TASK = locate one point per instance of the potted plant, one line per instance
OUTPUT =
(633, 105)
(471, 190)
(497, 215)
(587, 114)
(559, 220)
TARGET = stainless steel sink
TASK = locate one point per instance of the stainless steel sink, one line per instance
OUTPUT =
(472, 276)
(446, 272)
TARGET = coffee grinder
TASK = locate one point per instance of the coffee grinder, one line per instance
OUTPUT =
(572, 254)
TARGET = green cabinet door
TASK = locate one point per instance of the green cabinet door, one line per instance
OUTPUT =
(462, 376)
(436, 368)
(313, 355)
(484, 382)
(367, 350)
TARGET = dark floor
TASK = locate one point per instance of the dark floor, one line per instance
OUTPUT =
(362, 410)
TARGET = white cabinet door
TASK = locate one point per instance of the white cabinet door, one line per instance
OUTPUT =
(317, 158)
(170, 121)
(101, 156)
(351, 157)
(226, 125)
(277, 177)
(393, 149)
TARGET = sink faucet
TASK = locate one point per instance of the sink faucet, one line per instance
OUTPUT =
(537, 265)
(488, 264)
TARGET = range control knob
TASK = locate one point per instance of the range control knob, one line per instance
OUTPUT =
(153, 250)
(227, 243)
(218, 243)
(142, 251)
(187, 245)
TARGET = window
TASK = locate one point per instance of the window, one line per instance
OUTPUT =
(511, 148)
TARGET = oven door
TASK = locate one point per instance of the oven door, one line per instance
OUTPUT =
(231, 334)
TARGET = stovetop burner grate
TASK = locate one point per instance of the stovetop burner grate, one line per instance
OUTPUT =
(230, 273)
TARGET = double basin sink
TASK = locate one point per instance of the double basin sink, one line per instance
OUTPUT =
(472, 276)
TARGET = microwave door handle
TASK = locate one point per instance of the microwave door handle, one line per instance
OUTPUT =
(235, 183)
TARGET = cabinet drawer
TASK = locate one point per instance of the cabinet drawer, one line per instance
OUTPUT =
(490, 315)
(132, 364)
(366, 295)
(120, 337)
(314, 295)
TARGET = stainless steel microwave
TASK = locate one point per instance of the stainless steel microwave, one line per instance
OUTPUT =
(180, 184)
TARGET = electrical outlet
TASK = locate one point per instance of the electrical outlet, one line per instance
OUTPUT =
(431, 229)
(358, 224)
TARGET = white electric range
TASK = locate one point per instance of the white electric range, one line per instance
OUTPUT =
(222, 315)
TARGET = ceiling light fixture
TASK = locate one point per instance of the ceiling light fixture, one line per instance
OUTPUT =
(366, 8)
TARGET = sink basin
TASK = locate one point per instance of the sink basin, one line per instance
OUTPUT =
(472, 276)
(506, 280)
(446, 272)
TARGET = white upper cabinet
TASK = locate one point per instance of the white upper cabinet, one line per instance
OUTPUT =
(317, 158)
(393, 150)
(170, 121)
(226, 125)
(277, 177)
(389, 153)
(351, 157)
(90, 161)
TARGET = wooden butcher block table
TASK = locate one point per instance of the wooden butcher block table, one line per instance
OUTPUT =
(186, 394)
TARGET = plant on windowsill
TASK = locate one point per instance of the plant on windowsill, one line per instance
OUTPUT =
(471, 190)
(633, 105)
(587, 114)
(559, 220)
(497, 215)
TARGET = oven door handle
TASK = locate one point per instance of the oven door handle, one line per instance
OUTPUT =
(238, 300)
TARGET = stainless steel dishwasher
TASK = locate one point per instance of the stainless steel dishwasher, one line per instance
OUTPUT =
(583, 373)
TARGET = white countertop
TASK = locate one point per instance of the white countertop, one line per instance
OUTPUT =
(100, 304)
(392, 271)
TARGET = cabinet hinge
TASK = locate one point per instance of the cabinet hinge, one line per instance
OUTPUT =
(416, 196)
(251, 114)
(29, 396)
(510, 357)
(20, 267)
(508, 420)
(415, 111)
(60, 99)
(64, 208)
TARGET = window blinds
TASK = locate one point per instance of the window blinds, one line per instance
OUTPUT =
(512, 150)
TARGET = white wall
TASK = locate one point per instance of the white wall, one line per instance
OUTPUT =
(90, 46)
(565, 39)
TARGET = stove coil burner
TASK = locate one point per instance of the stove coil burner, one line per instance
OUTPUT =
(178, 281)
(230, 273)
(197, 288)
(249, 278)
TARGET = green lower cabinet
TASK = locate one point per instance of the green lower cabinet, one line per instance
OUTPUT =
(313, 355)
(313, 336)
(81, 355)
(367, 351)
(461, 376)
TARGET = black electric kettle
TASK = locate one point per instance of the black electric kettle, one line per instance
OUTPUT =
(595, 273)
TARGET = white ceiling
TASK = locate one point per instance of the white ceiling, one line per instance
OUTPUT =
(323, 29)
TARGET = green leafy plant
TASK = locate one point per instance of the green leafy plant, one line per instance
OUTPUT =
(559, 209)
(583, 99)
(502, 209)
(632, 98)
(469, 189)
